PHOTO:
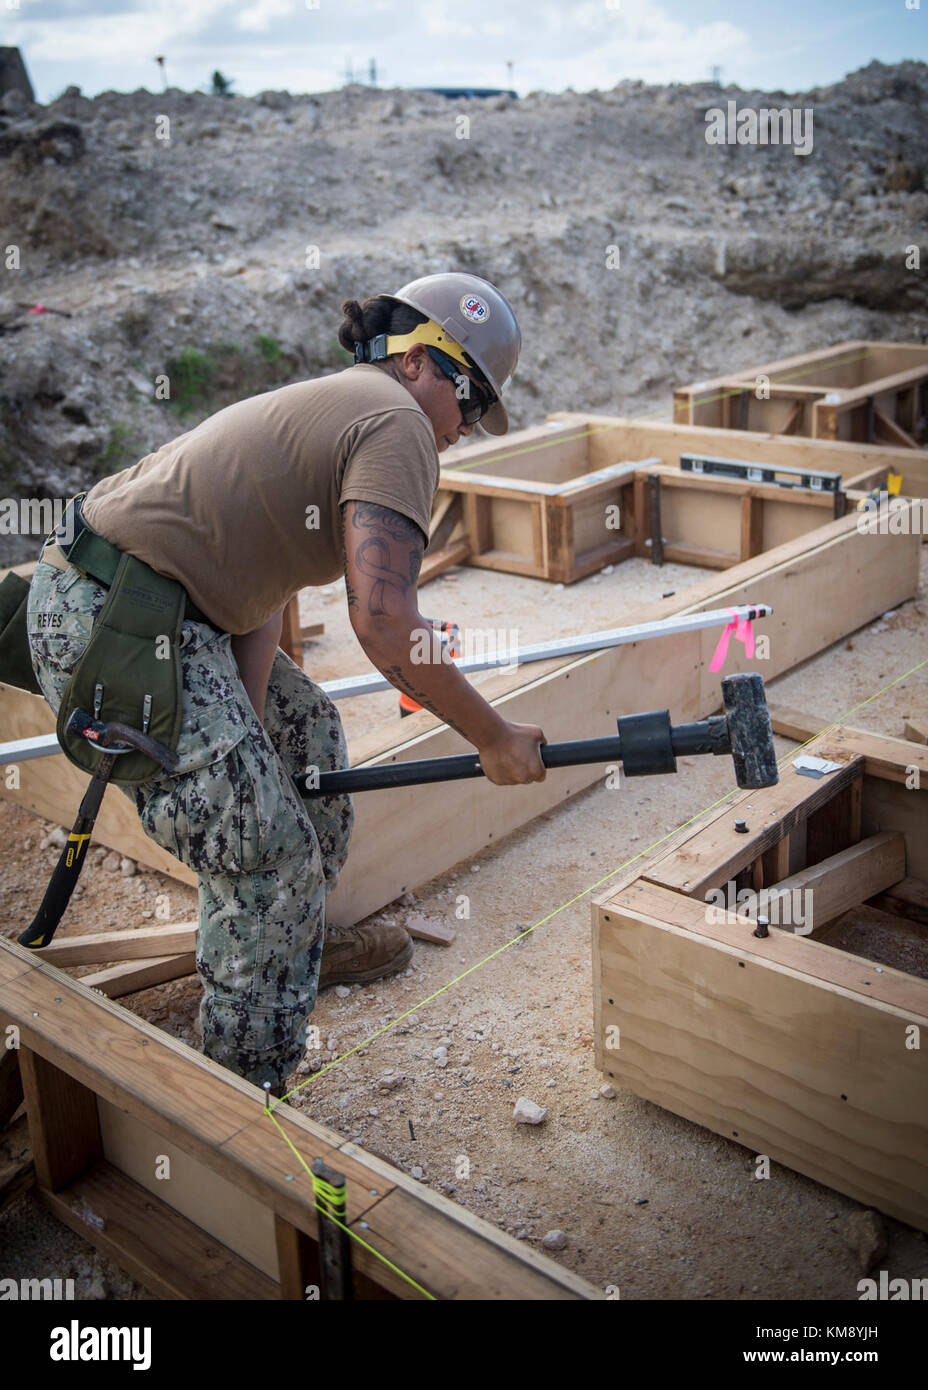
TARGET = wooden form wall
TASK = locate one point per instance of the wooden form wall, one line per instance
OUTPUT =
(857, 391)
(793, 1047)
(407, 836)
(108, 1095)
(861, 466)
(539, 503)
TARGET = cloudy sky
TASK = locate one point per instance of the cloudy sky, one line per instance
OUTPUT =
(310, 45)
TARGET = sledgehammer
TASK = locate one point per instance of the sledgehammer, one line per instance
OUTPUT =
(646, 744)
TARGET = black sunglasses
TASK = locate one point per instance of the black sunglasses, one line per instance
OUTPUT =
(476, 402)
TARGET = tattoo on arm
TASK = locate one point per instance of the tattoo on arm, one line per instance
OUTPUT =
(388, 550)
(396, 676)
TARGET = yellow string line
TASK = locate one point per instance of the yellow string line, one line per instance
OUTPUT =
(722, 395)
(354, 1235)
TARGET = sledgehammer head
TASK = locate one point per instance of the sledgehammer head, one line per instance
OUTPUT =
(750, 730)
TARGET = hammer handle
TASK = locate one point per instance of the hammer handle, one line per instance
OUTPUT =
(363, 779)
(67, 870)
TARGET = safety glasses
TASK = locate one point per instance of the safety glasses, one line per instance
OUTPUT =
(475, 404)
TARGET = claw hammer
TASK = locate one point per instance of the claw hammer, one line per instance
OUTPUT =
(112, 738)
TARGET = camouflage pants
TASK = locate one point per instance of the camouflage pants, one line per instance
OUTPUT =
(264, 858)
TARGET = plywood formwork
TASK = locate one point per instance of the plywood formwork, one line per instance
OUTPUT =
(792, 1046)
(407, 836)
(108, 1096)
(562, 500)
(861, 466)
(857, 391)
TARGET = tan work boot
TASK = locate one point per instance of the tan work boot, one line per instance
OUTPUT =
(357, 955)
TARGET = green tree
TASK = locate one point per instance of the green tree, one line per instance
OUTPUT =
(222, 86)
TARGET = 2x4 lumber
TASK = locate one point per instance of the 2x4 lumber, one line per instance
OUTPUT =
(132, 976)
(775, 862)
(162, 1250)
(218, 1118)
(846, 879)
(893, 432)
(64, 1129)
(795, 723)
(752, 526)
(477, 1275)
(836, 825)
(800, 726)
(763, 1050)
(441, 505)
(131, 944)
(887, 759)
(297, 1260)
(447, 518)
(435, 564)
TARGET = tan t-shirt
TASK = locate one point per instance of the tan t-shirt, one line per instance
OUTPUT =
(243, 510)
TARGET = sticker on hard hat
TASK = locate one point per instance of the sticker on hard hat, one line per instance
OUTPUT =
(475, 308)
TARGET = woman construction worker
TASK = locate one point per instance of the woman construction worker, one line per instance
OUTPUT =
(188, 558)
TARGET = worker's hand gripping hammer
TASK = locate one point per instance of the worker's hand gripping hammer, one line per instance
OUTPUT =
(119, 738)
(645, 744)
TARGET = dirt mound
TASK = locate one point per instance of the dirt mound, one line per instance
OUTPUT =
(211, 240)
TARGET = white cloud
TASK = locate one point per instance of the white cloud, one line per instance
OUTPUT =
(258, 17)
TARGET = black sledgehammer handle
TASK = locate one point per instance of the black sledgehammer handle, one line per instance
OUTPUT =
(368, 779)
(685, 738)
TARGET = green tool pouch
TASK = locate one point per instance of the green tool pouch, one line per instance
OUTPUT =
(15, 658)
(130, 670)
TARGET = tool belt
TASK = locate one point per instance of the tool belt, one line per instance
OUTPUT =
(130, 670)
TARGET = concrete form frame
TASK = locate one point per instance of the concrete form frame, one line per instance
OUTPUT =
(797, 1049)
(109, 1097)
(873, 393)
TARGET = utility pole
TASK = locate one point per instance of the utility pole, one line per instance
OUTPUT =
(716, 75)
(509, 66)
(372, 71)
(164, 75)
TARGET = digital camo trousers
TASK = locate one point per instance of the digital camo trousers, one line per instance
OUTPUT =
(264, 858)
